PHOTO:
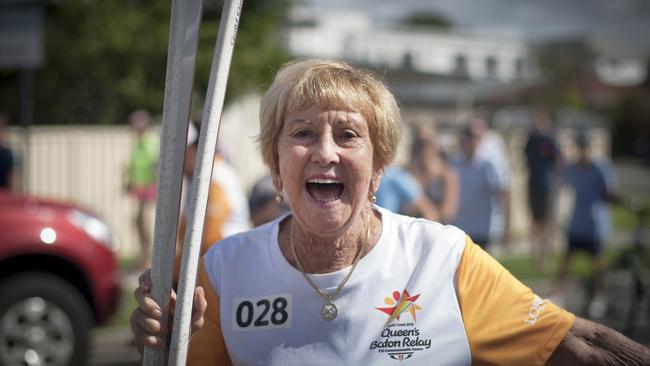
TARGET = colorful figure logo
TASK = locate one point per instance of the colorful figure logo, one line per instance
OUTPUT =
(401, 303)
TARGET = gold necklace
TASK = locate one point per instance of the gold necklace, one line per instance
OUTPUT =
(329, 311)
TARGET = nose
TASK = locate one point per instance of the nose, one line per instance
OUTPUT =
(326, 151)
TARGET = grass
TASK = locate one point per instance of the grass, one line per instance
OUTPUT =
(127, 300)
(521, 266)
(126, 307)
(623, 218)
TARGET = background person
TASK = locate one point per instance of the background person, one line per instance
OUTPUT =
(141, 176)
(585, 229)
(401, 193)
(226, 211)
(543, 159)
(7, 164)
(264, 203)
(492, 148)
(342, 281)
(481, 188)
(438, 178)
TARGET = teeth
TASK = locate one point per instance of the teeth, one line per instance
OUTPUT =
(323, 181)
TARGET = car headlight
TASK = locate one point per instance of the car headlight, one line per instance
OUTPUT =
(93, 226)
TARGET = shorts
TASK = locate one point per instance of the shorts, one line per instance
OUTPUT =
(539, 201)
(592, 246)
(145, 193)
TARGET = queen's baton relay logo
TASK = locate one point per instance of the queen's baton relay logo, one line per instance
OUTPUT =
(400, 339)
(402, 303)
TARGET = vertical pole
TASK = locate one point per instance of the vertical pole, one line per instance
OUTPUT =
(181, 56)
(202, 177)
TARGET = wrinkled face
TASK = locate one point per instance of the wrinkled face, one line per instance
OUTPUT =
(326, 168)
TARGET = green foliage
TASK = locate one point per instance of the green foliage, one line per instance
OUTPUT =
(257, 54)
(105, 58)
(630, 117)
(430, 20)
(562, 66)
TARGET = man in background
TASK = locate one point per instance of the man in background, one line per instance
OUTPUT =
(543, 160)
(585, 230)
(263, 202)
(492, 148)
(401, 193)
(481, 189)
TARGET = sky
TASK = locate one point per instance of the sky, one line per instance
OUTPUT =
(622, 20)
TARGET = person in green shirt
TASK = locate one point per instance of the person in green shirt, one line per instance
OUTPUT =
(141, 176)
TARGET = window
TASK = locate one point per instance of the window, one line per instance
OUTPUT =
(491, 67)
(461, 66)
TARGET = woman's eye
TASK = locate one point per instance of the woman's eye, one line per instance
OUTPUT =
(301, 133)
(348, 134)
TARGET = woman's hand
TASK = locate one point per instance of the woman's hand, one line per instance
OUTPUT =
(146, 320)
(589, 343)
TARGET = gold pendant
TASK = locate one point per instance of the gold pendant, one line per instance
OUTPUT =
(329, 311)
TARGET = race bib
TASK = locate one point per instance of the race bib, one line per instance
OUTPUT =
(260, 313)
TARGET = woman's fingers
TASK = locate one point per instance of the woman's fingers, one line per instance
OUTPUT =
(198, 309)
(147, 332)
(146, 303)
(146, 322)
(146, 319)
(144, 280)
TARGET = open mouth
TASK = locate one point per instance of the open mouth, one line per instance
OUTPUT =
(325, 190)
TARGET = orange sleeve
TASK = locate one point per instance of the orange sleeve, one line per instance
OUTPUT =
(506, 323)
(216, 214)
(207, 347)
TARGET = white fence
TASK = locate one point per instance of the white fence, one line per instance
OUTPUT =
(85, 165)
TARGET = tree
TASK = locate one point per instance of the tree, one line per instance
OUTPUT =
(430, 20)
(106, 58)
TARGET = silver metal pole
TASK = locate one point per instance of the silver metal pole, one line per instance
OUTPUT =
(202, 177)
(183, 41)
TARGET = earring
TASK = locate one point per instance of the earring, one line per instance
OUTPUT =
(372, 197)
(279, 198)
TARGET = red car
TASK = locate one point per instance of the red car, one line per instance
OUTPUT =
(58, 278)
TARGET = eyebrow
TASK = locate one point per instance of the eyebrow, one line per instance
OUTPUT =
(351, 117)
(298, 120)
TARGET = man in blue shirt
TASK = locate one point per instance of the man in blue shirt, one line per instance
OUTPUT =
(482, 188)
(585, 227)
(401, 193)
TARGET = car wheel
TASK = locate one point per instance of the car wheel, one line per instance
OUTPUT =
(44, 320)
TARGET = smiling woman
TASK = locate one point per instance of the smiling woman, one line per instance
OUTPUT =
(341, 281)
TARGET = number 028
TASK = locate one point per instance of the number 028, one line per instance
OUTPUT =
(262, 312)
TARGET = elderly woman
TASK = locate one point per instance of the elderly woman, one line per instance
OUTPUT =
(342, 281)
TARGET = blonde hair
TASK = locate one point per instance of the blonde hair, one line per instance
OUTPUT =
(330, 84)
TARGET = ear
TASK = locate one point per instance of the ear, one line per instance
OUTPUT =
(375, 180)
(277, 182)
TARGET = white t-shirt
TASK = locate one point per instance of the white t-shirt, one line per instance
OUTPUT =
(402, 303)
